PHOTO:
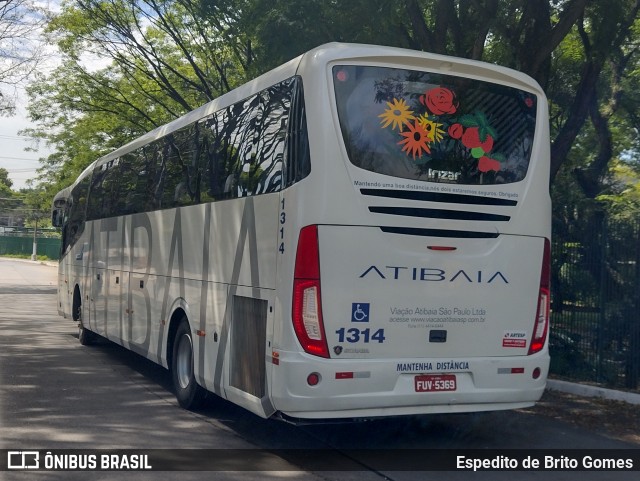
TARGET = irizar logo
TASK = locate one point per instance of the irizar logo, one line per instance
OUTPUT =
(434, 275)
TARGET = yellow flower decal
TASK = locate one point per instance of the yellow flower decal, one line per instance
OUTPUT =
(434, 131)
(416, 140)
(397, 115)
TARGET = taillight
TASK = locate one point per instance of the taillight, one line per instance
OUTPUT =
(541, 326)
(307, 305)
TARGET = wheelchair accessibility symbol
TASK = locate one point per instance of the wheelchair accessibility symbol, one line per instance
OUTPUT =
(360, 312)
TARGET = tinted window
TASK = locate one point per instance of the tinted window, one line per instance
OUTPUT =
(298, 164)
(139, 177)
(236, 152)
(180, 169)
(232, 150)
(244, 145)
(432, 127)
(101, 193)
(75, 224)
(272, 118)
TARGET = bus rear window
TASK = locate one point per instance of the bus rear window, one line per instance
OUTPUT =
(432, 127)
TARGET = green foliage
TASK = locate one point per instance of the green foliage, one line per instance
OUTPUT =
(623, 199)
(284, 29)
(41, 258)
(8, 198)
(20, 51)
(160, 59)
(37, 203)
(5, 181)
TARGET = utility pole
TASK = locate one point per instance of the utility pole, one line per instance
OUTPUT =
(34, 253)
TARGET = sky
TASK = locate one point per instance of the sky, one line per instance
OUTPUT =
(20, 164)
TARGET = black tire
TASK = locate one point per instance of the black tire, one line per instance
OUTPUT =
(85, 336)
(189, 393)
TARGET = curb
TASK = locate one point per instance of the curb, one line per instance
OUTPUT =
(29, 261)
(593, 391)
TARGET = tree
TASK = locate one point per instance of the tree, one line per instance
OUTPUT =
(169, 56)
(20, 52)
(182, 49)
(5, 181)
(584, 53)
(623, 194)
(607, 51)
(8, 198)
(164, 59)
(283, 29)
(526, 35)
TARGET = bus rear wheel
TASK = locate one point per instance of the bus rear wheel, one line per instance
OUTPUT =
(189, 393)
(85, 336)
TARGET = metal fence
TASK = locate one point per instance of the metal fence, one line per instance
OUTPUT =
(19, 241)
(595, 335)
(596, 304)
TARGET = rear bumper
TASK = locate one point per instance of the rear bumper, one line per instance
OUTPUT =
(387, 387)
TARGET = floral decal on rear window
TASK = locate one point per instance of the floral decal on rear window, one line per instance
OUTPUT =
(421, 126)
(420, 131)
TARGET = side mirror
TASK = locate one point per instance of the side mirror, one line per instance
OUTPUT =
(57, 217)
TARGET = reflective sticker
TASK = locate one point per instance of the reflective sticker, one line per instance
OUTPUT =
(517, 339)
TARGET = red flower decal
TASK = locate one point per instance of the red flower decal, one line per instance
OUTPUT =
(471, 139)
(456, 131)
(486, 164)
(440, 101)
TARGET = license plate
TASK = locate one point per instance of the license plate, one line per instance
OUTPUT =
(435, 382)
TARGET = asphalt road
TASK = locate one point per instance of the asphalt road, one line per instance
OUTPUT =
(56, 394)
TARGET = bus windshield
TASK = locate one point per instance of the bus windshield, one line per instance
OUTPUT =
(432, 127)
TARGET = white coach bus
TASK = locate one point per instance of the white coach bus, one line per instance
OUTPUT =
(363, 231)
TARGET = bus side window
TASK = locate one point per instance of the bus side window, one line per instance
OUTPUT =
(141, 175)
(107, 183)
(152, 163)
(244, 144)
(298, 164)
(270, 132)
(181, 167)
(75, 224)
(244, 148)
(211, 177)
(112, 186)
(229, 146)
(96, 194)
